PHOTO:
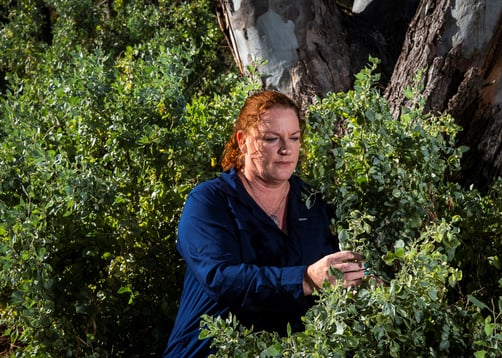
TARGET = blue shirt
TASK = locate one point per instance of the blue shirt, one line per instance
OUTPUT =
(238, 260)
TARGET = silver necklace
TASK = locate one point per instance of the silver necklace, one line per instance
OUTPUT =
(273, 215)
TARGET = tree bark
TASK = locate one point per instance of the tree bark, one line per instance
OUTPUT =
(302, 42)
(459, 46)
(315, 47)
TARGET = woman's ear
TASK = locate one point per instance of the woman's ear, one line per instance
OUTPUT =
(241, 140)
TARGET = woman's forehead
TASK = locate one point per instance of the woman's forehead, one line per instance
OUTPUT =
(279, 117)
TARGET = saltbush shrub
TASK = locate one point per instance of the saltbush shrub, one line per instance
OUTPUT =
(103, 131)
(111, 112)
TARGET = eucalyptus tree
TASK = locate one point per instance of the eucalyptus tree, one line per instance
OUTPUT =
(308, 48)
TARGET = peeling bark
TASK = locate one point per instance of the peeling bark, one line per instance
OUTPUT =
(315, 47)
(302, 42)
(458, 44)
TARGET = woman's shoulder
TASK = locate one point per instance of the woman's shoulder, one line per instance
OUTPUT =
(223, 183)
(208, 188)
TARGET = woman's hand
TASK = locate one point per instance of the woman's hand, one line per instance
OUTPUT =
(350, 264)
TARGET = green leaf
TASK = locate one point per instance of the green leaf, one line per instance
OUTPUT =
(389, 258)
(477, 302)
(333, 271)
(399, 248)
(489, 328)
(273, 350)
(340, 327)
(480, 354)
(433, 293)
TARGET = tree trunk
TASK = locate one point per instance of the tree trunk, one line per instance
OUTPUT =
(314, 47)
(459, 45)
(302, 42)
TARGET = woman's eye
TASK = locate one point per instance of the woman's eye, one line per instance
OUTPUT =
(295, 139)
(270, 140)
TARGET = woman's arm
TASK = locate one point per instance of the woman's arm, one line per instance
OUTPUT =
(208, 241)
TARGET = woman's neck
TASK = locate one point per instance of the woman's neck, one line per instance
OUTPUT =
(272, 199)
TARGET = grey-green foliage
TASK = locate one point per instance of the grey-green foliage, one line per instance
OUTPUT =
(100, 142)
(93, 180)
(384, 178)
(387, 183)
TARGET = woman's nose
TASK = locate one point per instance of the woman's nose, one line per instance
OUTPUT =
(283, 149)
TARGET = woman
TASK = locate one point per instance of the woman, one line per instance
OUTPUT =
(251, 245)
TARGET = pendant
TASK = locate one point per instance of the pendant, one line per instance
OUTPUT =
(275, 219)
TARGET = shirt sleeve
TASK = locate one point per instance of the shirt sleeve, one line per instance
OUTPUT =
(207, 240)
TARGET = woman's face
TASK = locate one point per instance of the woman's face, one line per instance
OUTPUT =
(271, 149)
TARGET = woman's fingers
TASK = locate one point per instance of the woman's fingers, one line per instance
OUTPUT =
(344, 256)
(351, 265)
(346, 266)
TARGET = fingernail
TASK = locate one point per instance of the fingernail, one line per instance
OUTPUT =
(366, 265)
(366, 272)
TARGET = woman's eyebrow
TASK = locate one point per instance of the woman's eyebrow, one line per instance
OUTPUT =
(277, 133)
